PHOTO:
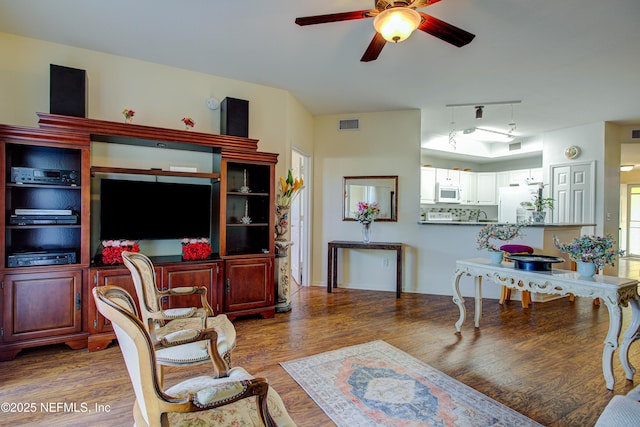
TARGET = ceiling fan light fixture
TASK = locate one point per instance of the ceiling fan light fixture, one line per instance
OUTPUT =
(397, 24)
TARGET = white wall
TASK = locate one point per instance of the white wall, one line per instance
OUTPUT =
(159, 95)
(387, 143)
(590, 139)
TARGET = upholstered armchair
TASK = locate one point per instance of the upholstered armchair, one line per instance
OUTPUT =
(237, 399)
(176, 325)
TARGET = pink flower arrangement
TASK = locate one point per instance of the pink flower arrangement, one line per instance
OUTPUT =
(112, 250)
(367, 212)
(193, 249)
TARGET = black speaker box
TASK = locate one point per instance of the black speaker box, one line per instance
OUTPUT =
(68, 91)
(234, 117)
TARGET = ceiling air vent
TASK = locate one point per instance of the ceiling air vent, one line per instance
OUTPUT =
(635, 133)
(349, 124)
(515, 146)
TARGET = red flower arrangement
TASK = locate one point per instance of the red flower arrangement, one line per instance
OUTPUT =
(193, 249)
(188, 122)
(127, 113)
(112, 250)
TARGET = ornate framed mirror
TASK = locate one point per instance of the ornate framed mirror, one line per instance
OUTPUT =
(380, 189)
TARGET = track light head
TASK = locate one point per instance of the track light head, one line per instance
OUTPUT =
(479, 111)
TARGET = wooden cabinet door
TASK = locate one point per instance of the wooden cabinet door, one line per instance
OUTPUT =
(208, 275)
(248, 284)
(39, 305)
(113, 277)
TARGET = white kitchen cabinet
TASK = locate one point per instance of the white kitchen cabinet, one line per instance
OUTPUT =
(468, 182)
(486, 188)
(427, 185)
(536, 175)
(516, 177)
(502, 180)
(448, 176)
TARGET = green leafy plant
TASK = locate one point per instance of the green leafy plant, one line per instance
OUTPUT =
(539, 203)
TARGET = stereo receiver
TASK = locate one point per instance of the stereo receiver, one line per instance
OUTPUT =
(21, 175)
(30, 259)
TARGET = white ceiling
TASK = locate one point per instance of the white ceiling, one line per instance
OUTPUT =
(570, 62)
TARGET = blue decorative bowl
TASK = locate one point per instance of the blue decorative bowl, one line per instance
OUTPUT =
(534, 262)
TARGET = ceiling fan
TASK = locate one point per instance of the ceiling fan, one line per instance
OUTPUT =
(394, 21)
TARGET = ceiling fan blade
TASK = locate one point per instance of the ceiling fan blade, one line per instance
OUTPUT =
(446, 32)
(336, 17)
(374, 49)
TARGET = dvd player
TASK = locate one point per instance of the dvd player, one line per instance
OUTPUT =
(43, 219)
(30, 259)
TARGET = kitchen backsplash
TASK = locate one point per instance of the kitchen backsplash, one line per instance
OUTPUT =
(461, 214)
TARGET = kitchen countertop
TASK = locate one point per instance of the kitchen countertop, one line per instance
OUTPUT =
(483, 223)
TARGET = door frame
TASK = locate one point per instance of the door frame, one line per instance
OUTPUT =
(304, 199)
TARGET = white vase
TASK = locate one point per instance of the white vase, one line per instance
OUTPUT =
(496, 257)
(539, 217)
(586, 269)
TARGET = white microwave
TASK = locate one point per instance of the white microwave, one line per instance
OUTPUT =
(448, 193)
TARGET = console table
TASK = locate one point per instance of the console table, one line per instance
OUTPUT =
(332, 260)
(616, 292)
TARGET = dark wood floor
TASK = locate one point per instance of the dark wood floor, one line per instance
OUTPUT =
(544, 362)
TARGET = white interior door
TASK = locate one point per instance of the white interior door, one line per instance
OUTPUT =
(572, 190)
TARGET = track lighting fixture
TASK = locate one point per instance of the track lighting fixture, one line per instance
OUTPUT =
(479, 111)
(452, 132)
(512, 123)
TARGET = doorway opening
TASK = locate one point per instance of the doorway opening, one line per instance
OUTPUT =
(300, 222)
(632, 229)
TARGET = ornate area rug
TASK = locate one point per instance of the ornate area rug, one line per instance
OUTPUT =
(375, 384)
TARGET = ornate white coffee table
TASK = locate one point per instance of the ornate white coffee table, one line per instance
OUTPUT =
(616, 292)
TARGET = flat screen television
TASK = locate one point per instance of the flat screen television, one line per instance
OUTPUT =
(142, 210)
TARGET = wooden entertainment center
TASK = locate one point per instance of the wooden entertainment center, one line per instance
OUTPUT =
(47, 300)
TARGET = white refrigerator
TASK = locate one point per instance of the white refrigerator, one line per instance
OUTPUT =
(509, 199)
